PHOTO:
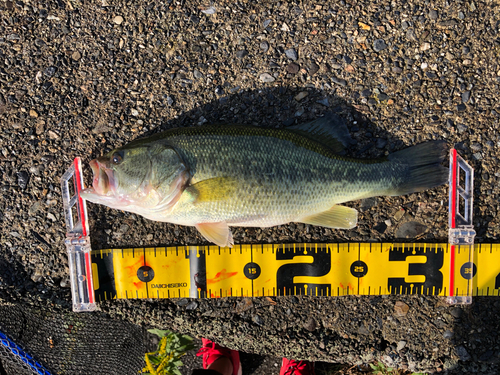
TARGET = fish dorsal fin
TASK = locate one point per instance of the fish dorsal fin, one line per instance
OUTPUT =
(218, 233)
(339, 217)
(329, 130)
(213, 189)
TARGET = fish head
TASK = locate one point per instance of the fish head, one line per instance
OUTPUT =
(141, 177)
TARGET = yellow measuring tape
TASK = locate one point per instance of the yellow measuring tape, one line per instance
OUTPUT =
(316, 269)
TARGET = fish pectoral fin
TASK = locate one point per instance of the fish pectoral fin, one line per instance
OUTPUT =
(218, 233)
(213, 189)
(339, 217)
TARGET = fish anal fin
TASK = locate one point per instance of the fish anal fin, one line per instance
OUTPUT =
(213, 189)
(329, 130)
(218, 233)
(339, 217)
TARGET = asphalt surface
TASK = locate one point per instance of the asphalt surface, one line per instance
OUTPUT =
(78, 79)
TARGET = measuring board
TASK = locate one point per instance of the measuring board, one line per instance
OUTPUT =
(294, 269)
(456, 270)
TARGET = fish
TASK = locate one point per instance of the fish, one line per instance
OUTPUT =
(218, 176)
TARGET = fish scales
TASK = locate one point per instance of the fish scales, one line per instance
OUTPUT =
(279, 180)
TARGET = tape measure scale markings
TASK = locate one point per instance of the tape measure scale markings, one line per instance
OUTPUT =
(293, 269)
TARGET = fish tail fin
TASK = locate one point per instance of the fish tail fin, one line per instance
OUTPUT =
(421, 168)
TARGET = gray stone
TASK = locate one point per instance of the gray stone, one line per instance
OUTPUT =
(291, 54)
(379, 45)
(465, 96)
(266, 77)
(401, 345)
(462, 353)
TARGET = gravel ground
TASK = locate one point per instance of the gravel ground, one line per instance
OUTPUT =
(77, 79)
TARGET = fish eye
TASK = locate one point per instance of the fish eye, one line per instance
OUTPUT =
(117, 157)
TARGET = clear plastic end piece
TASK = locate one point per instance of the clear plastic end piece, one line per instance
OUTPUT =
(461, 233)
(77, 239)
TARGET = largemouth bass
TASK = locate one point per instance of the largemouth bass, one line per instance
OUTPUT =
(214, 177)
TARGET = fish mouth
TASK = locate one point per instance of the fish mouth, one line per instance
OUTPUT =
(103, 181)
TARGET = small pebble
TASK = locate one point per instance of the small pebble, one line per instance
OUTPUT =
(339, 81)
(401, 345)
(118, 20)
(266, 77)
(379, 45)
(465, 96)
(192, 305)
(264, 46)
(301, 95)
(292, 68)
(323, 101)
(291, 54)
(401, 308)
(448, 334)
(242, 53)
(433, 14)
(23, 178)
(197, 74)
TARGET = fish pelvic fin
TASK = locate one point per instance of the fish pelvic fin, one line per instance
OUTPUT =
(339, 217)
(218, 233)
(422, 168)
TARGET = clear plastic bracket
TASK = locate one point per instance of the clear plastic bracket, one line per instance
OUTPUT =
(461, 229)
(77, 239)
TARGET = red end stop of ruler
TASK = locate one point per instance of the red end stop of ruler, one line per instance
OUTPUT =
(77, 239)
(461, 230)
